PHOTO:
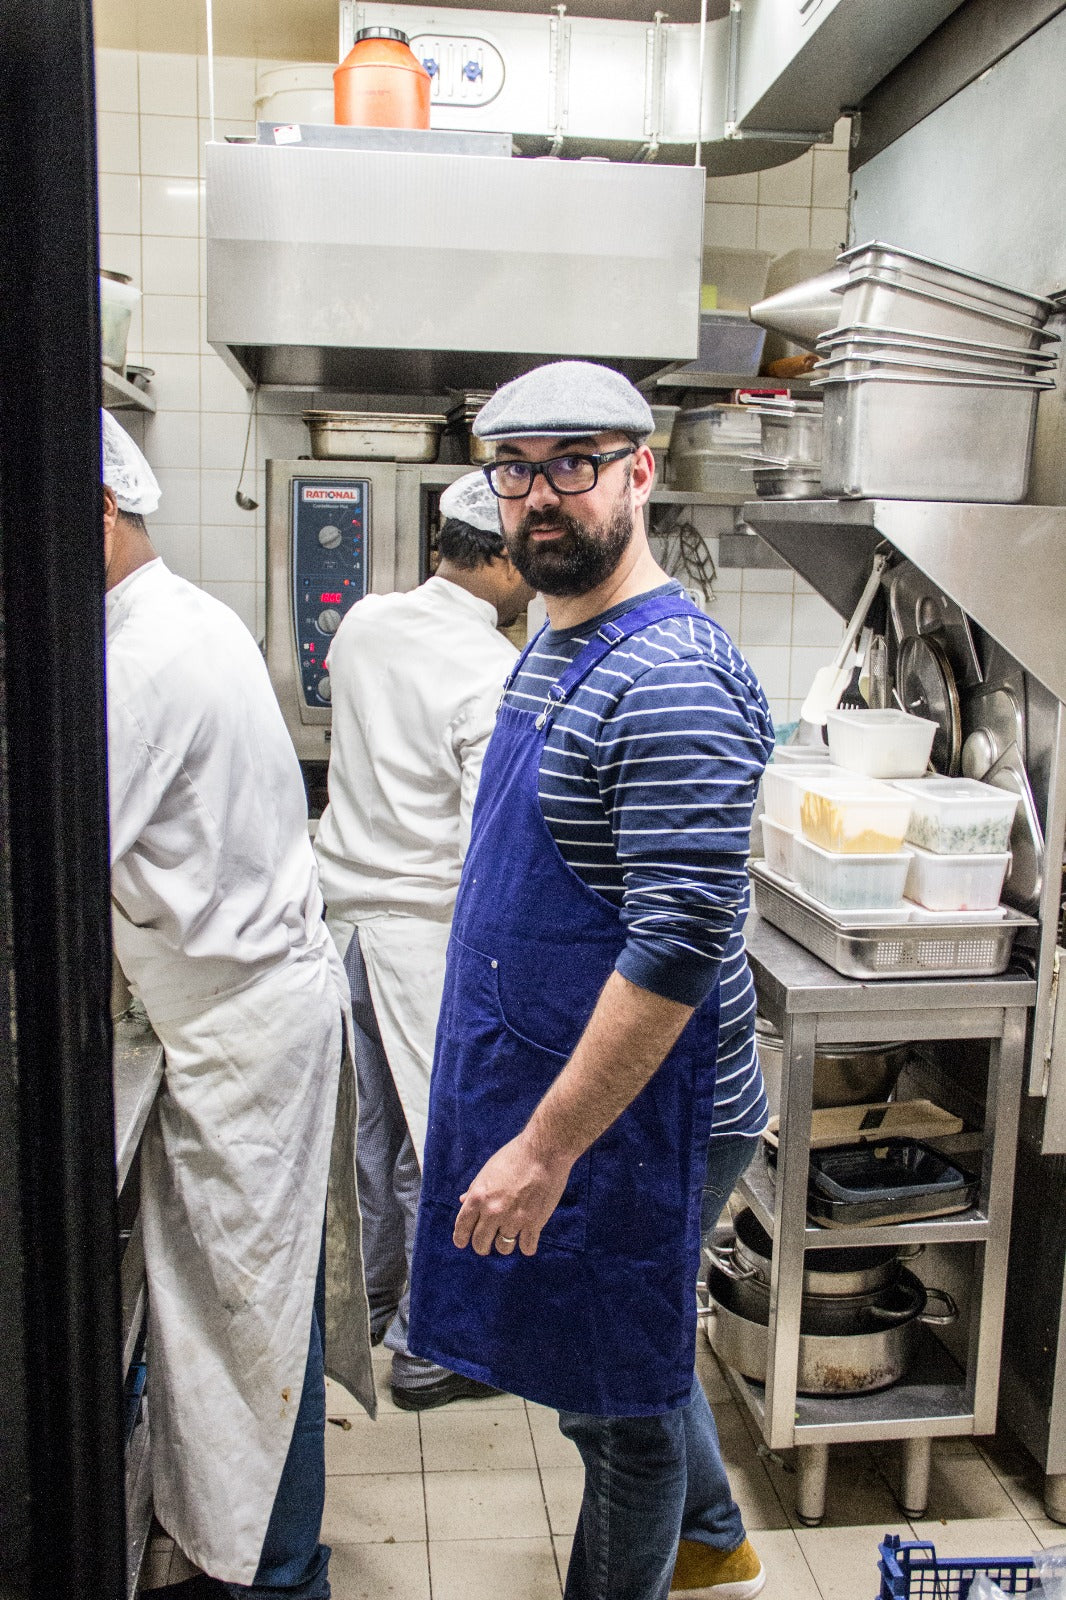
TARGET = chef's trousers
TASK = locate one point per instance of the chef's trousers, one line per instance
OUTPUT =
(294, 1564)
(390, 1182)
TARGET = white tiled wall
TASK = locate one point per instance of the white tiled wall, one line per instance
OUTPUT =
(152, 127)
(795, 207)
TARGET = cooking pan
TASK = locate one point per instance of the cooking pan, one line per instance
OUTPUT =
(832, 1360)
(838, 1272)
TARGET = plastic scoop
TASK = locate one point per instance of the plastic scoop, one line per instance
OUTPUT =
(830, 682)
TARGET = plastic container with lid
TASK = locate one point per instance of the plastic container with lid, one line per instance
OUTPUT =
(853, 818)
(783, 785)
(880, 744)
(959, 816)
(855, 882)
(381, 83)
(777, 847)
(955, 883)
(119, 299)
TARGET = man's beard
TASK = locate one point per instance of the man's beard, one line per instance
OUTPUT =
(579, 559)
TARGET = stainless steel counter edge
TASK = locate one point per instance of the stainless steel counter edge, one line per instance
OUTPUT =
(138, 1072)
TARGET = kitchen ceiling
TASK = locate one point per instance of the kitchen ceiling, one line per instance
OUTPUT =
(307, 30)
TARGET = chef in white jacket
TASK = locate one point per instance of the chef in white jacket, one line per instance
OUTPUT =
(218, 927)
(416, 679)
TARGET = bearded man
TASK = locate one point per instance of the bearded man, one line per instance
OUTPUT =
(574, 1076)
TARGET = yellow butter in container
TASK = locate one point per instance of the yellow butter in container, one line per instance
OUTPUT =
(854, 817)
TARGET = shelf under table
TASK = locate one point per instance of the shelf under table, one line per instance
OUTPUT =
(931, 1402)
(757, 1187)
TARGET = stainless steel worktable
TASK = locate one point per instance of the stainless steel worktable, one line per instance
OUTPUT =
(809, 1004)
(137, 1072)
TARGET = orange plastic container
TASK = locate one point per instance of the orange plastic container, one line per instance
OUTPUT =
(381, 83)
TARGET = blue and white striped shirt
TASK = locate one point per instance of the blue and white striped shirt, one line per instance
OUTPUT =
(647, 784)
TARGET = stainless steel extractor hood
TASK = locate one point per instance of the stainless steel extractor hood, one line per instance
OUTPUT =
(385, 271)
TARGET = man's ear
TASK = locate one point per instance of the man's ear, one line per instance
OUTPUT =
(110, 521)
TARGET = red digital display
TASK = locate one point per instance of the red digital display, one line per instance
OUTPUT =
(330, 599)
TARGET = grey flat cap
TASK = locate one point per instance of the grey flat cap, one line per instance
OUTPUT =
(564, 398)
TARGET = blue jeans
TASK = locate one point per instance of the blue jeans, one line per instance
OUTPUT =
(650, 1481)
(293, 1563)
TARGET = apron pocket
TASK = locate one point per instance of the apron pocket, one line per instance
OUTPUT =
(487, 1081)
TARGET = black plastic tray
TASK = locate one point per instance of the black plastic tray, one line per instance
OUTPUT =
(892, 1180)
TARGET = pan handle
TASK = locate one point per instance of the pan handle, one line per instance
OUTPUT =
(727, 1263)
(940, 1319)
(916, 1296)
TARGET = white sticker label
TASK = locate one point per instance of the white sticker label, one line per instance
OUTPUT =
(288, 133)
(325, 494)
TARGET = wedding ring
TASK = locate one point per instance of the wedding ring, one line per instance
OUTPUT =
(505, 1240)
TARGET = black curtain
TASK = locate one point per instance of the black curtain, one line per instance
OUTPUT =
(62, 1521)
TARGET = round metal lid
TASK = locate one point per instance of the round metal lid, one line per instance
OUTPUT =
(927, 688)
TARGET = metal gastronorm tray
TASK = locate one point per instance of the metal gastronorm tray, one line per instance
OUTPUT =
(941, 948)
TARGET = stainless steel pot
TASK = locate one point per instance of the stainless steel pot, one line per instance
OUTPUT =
(855, 1359)
(843, 1076)
(827, 1273)
(894, 1302)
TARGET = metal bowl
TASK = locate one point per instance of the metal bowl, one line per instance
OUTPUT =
(843, 1075)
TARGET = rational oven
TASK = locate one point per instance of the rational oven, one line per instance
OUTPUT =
(337, 530)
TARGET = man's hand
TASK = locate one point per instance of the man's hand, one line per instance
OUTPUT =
(510, 1200)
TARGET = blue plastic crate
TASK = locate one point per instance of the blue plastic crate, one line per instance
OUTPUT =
(910, 1570)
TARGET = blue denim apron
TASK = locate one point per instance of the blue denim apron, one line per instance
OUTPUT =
(601, 1320)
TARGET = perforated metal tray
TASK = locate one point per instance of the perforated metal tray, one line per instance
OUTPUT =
(973, 945)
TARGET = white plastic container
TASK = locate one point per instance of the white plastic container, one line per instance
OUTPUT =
(955, 883)
(866, 882)
(805, 755)
(119, 299)
(959, 816)
(783, 785)
(295, 94)
(777, 847)
(880, 744)
(853, 818)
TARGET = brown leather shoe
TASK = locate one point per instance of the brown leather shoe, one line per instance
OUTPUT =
(703, 1573)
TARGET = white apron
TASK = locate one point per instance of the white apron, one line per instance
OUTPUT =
(232, 1246)
(404, 959)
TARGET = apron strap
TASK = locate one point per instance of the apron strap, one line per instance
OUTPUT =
(520, 663)
(604, 640)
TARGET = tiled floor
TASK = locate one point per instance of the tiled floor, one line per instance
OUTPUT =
(477, 1501)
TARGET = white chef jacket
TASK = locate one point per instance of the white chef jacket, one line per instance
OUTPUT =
(416, 682)
(217, 925)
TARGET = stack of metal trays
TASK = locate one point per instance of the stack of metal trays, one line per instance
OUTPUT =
(904, 943)
(789, 466)
(930, 381)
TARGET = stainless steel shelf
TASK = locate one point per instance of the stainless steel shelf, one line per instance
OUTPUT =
(932, 1402)
(807, 1003)
(715, 382)
(757, 1186)
(121, 395)
(1005, 565)
(692, 497)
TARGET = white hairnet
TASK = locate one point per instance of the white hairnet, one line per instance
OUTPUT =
(469, 499)
(126, 472)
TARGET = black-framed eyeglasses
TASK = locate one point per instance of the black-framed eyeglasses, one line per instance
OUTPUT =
(570, 474)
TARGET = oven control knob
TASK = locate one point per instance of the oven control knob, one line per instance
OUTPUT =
(329, 537)
(324, 689)
(329, 620)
